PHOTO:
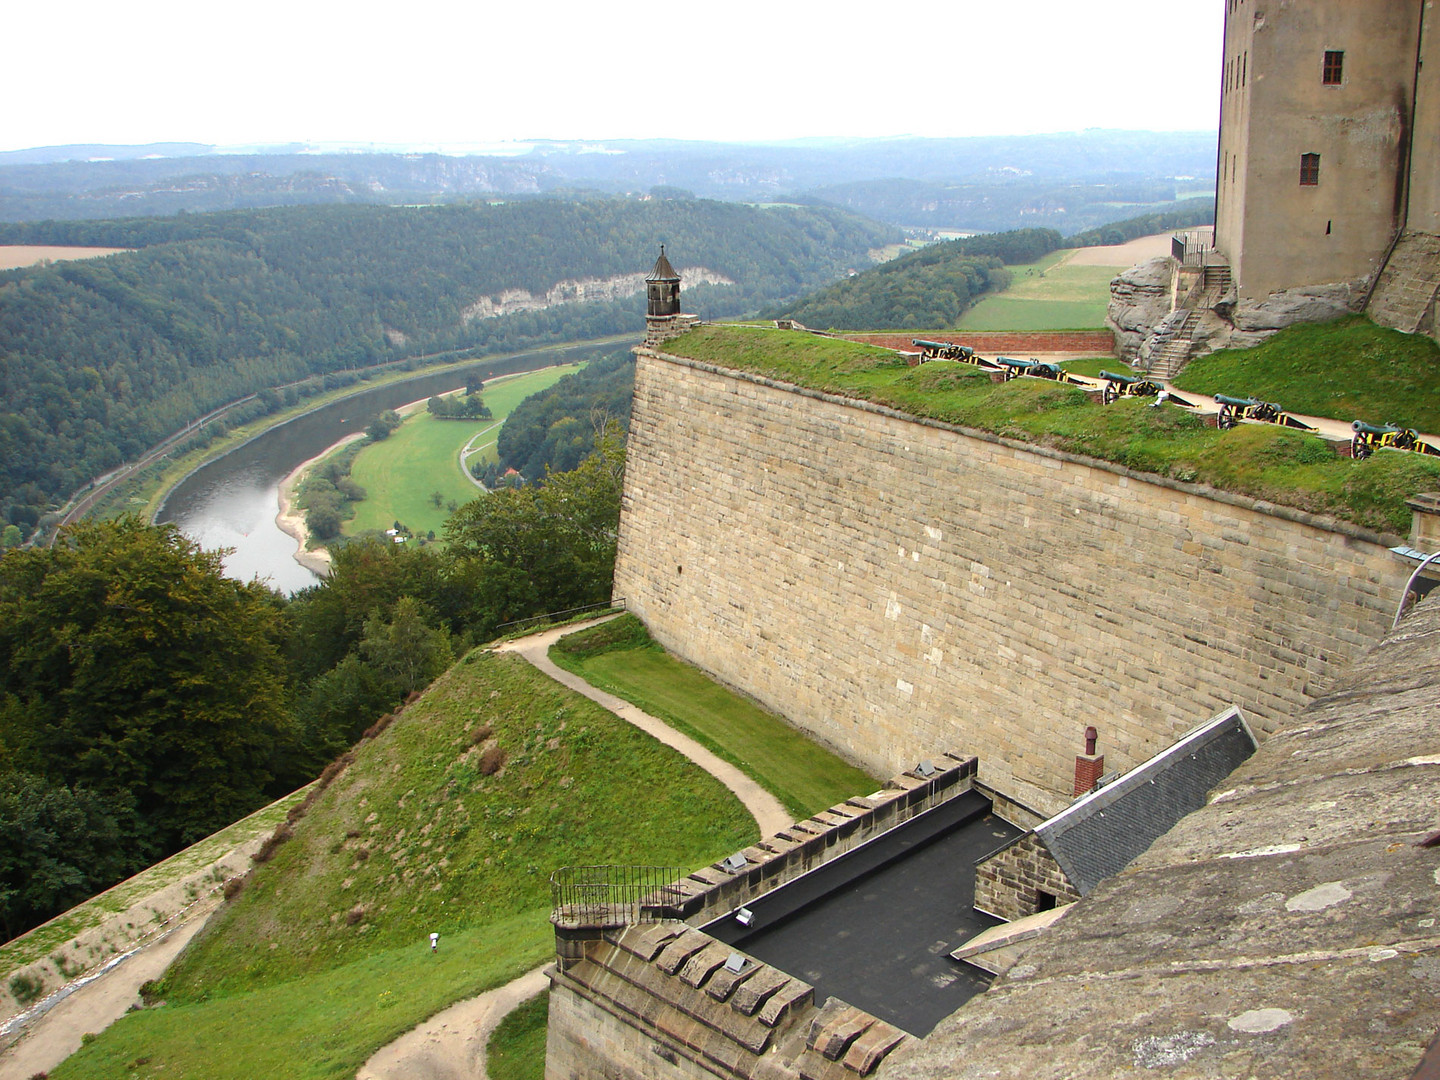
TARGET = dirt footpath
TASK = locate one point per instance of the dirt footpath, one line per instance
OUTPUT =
(93, 1007)
(451, 1044)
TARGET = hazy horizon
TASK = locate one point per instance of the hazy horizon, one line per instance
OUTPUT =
(758, 73)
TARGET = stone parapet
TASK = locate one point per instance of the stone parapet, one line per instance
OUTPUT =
(658, 1002)
(716, 889)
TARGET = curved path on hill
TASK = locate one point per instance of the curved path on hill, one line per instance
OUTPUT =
(769, 814)
(451, 1044)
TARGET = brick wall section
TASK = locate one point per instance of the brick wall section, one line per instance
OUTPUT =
(891, 585)
(1008, 884)
(989, 344)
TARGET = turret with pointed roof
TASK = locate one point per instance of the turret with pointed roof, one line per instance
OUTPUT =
(662, 288)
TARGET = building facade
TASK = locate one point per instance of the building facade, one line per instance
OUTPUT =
(1329, 139)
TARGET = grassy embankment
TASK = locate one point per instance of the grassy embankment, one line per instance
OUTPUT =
(1050, 294)
(1266, 462)
(438, 825)
(516, 1050)
(45, 939)
(620, 656)
(399, 474)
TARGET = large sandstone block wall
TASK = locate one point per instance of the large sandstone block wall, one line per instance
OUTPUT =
(896, 587)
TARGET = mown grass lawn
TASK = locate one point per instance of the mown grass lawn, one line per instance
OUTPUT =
(450, 821)
(1049, 294)
(516, 1050)
(401, 474)
(620, 656)
(1264, 461)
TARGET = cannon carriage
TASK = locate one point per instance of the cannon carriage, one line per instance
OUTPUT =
(1368, 438)
(1118, 386)
(944, 350)
(1036, 369)
(1235, 409)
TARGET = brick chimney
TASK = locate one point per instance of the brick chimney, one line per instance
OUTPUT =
(1089, 766)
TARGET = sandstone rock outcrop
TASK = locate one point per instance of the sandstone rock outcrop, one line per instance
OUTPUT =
(1143, 321)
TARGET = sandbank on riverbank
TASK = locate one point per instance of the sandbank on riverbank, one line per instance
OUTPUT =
(291, 519)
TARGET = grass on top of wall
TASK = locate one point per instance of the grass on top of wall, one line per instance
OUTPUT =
(450, 820)
(1349, 369)
(1263, 461)
(621, 657)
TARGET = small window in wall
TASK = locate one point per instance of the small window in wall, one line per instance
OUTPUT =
(1044, 901)
(1309, 170)
(1334, 71)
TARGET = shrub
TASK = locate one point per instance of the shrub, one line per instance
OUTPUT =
(272, 844)
(355, 914)
(233, 887)
(491, 758)
(26, 989)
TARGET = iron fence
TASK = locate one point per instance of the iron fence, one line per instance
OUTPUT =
(559, 616)
(614, 895)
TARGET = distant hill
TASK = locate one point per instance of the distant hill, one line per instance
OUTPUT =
(103, 358)
(1137, 168)
(923, 290)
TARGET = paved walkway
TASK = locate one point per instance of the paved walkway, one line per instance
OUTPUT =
(451, 1044)
(766, 809)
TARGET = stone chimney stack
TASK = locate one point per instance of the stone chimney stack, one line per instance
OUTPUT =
(1089, 766)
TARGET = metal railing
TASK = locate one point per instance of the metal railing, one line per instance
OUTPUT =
(559, 616)
(614, 895)
(1194, 247)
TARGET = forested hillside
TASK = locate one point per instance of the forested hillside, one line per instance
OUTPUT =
(926, 289)
(557, 428)
(103, 358)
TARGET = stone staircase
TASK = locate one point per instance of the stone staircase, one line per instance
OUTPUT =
(1404, 297)
(1174, 353)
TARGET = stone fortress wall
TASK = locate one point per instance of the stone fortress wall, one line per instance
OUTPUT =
(896, 586)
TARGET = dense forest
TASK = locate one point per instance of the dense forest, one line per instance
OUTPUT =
(146, 700)
(100, 359)
(557, 428)
(926, 289)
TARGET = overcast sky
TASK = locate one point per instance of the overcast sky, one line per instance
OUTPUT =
(270, 71)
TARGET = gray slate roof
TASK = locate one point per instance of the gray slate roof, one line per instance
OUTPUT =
(1097, 836)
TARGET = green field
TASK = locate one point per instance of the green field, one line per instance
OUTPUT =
(1046, 295)
(401, 473)
(619, 656)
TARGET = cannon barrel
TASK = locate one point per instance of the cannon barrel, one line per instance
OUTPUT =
(1123, 380)
(1238, 402)
(1048, 370)
(1362, 428)
(1010, 361)
(919, 343)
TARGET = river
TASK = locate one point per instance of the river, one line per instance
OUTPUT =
(232, 501)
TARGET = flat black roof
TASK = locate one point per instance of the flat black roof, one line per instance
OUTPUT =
(876, 932)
